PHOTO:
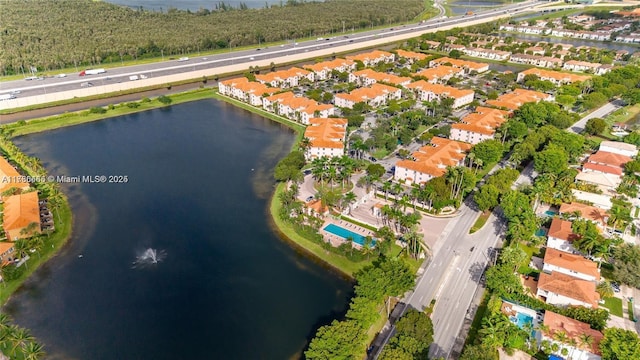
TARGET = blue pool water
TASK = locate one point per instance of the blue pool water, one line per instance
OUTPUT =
(521, 320)
(550, 213)
(541, 232)
(345, 234)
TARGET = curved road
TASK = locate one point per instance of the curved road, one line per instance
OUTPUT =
(72, 82)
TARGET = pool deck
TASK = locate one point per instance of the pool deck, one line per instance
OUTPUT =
(336, 240)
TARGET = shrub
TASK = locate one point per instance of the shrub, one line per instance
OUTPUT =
(164, 99)
(133, 105)
(97, 110)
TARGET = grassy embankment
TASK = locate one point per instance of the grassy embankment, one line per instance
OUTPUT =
(81, 117)
(54, 241)
(480, 221)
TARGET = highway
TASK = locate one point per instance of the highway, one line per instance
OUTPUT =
(259, 56)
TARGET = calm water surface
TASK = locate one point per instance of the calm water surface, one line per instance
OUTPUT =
(199, 180)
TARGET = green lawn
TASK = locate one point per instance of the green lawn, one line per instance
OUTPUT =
(80, 117)
(614, 305)
(477, 319)
(623, 115)
(480, 221)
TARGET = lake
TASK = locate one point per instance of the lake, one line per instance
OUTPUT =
(460, 7)
(193, 5)
(199, 180)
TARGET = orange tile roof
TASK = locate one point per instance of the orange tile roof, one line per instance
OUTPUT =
(316, 205)
(410, 54)
(570, 261)
(439, 72)
(234, 82)
(586, 211)
(517, 98)
(558, 76)
(602, 168)
(329, 65)
(561, 229)
(299, 103)
(569, 286)
(632, 13)
(256, 88)
(368, 93)
(434, 159)
(5, 246)
(573, 329)
(20, 211)
(326, 132)
(608, 158)
(471, 65)
(440, 89)
(483, 121)
(382, 77)
(282, 75)
(583, 63)
(375, 54)
(9, 177)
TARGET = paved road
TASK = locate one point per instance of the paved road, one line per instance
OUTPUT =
(600, 112)
(153, 70)
(452, 277)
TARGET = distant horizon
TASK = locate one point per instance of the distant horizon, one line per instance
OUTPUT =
(193, 5)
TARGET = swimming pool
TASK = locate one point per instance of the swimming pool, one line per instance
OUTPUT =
(550, 213)
(345, 234)
(521, 320)
(541, 232)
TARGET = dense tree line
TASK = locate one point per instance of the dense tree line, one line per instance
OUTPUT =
(375, 284)
(57, 34)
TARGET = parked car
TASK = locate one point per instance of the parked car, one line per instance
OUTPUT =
(309, 198)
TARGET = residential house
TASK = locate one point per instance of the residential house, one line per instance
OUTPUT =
(570, 264)
(596, 68)
(369, 77)
(594, 214)
(7, 252)
(556, 77)
(285, 78)
(296, 108)
(631, 13)
(468, 66)
(429, 92)
(602, 201)
(440, 73)
(628, 38)
(450, 47)
(432, 44)
(519, 97)
(10, 178)
(617, 147)
(561, 235)
(245, 90)
(327, 137)
(411, 56)
(488, 54)
(324, 69)
(560, 289)
(536, 60)
(315, 208)
(575, 332)
(579, 34)
(21, 216)
(374, 57)
(375, 95)
(534, 50)
(535, 30)
(431, 161)
(580, 18)
(478, 126)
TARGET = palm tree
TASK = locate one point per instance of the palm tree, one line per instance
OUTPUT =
(386, 187)
(561, 336)
(33, 351)
(21, 248)
(586, 341)
(348, 199)
(367, 247)
(20, 338)
(604, 289)
(415, 243)
(304, 144)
